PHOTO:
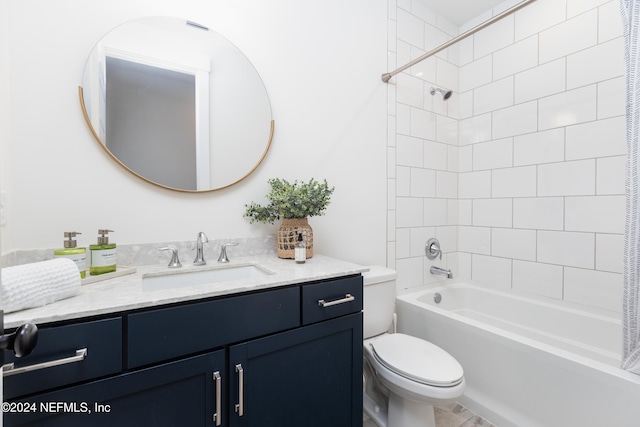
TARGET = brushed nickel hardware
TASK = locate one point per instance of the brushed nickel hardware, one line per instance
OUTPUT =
(347, 298)
(10, 369)
(217, 417)
(240, 404)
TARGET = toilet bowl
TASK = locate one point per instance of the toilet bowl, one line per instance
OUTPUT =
(405, 376)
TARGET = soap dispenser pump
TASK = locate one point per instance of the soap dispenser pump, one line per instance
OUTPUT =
(75, 254)
(300, 251)
(103, 255)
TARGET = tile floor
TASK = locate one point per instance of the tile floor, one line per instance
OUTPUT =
(454, 415)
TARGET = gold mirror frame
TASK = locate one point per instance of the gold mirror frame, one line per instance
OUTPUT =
(104, 147)
(222, 185)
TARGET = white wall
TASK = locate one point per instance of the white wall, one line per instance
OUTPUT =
(320, 63)
(4, 100)
(539, 152)
(4, 109)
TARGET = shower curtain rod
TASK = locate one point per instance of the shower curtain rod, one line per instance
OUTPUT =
(387, 76)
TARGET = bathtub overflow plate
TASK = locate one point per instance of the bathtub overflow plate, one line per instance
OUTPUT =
(437, 297)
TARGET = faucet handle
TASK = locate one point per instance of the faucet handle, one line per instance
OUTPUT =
(432, 249)
(223, 251)
(175, 260)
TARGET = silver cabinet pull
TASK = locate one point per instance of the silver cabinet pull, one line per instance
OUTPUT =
(217, 417)
(347, 298)
(240, 404)
(10, 369)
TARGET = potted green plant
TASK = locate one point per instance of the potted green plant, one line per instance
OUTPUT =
(294, 203)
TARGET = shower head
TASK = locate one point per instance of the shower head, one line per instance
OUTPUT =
(446, 94)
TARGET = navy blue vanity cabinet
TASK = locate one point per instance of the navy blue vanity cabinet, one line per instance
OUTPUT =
(175, 331)
(288, 356)
(180, 393)
(310, 376)
(65, 355)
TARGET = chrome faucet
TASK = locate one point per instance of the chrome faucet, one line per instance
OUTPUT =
(441, 271)
(223, 252)
(202, 238)
(175, 259)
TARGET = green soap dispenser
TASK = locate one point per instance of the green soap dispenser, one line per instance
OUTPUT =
(70, 251)
(103, 255)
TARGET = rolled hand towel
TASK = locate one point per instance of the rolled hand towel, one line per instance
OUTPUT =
(38, 284)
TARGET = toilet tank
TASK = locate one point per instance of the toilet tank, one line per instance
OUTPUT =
(379, 299)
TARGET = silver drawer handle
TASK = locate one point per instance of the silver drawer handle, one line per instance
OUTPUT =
(347, 298)
(240, 405)
(217, 417)
(10, 369)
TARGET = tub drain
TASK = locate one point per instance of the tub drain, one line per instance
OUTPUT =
(437, 297)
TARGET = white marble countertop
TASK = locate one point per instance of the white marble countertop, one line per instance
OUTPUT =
(125, 292)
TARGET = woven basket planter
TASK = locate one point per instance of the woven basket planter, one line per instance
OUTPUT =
(288, 236)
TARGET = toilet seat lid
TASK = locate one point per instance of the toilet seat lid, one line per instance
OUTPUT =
(418, 360)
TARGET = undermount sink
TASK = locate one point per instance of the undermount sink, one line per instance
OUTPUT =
(184, 279)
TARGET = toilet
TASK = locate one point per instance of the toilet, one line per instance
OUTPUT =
(404, 376)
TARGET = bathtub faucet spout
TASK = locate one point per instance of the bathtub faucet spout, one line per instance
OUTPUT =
(441, 271)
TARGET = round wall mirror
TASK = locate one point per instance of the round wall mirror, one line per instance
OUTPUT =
(176, 104)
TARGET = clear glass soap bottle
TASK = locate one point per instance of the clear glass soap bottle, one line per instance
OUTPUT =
(103, 255)
(75, 254)
(300, 251)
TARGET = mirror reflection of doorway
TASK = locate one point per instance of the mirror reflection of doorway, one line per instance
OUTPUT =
(155, 107)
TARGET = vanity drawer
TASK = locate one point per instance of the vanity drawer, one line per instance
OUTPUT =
(172, 332)
(102, 340)
(334, 298)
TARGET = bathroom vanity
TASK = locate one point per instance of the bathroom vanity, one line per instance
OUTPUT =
(280, 351)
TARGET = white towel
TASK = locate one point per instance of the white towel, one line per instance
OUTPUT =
(38, 284)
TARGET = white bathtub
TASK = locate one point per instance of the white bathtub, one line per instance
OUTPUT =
(528, 362)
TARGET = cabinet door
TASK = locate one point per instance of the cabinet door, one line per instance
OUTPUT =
(181, 393)
(309, 377)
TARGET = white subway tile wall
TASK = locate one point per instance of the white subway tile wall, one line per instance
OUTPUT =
(520, 174)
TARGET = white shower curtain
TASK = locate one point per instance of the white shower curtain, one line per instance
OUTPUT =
(630, 10)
